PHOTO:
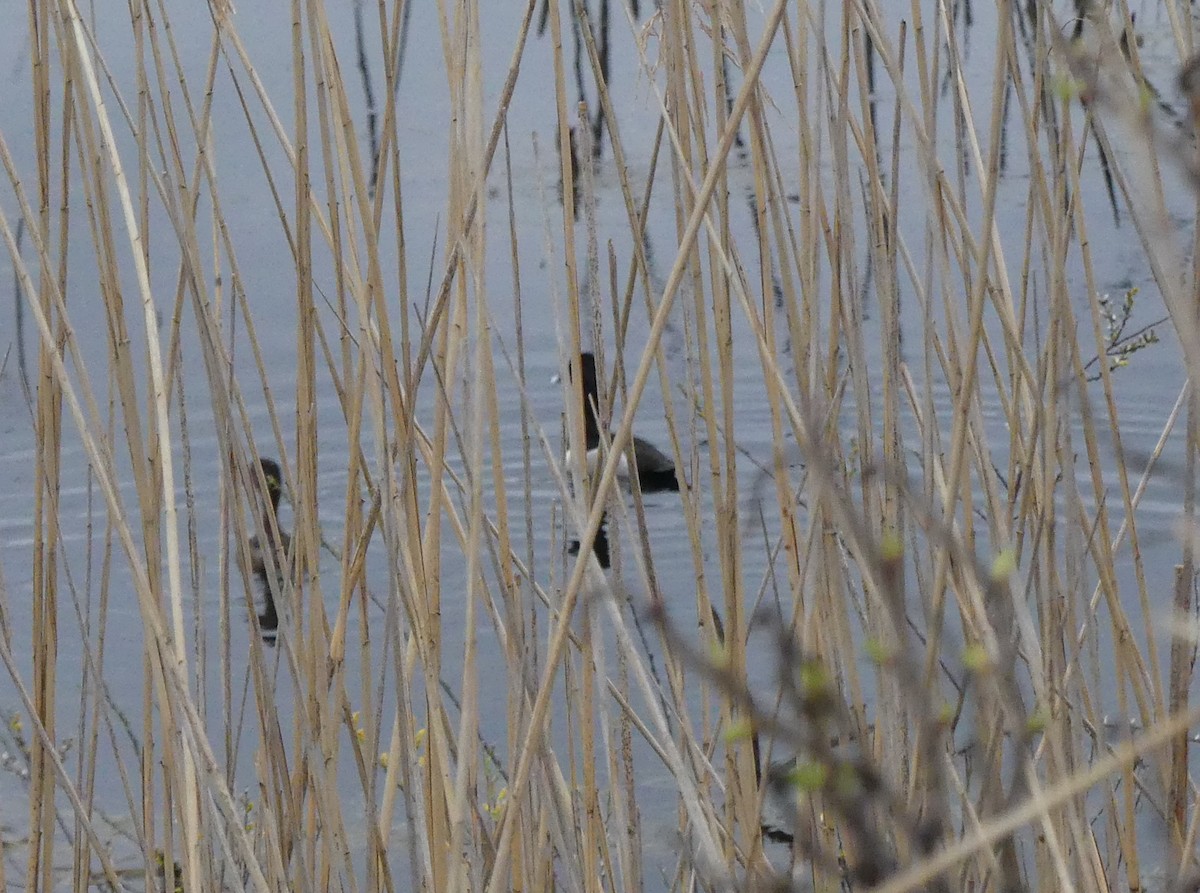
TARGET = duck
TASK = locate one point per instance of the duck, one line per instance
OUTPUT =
(655, 469)
(600, 546)
(268, 619)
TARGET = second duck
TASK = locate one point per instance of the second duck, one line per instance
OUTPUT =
(655, 470)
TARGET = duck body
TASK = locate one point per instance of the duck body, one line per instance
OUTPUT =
(655, 470)
(280, 549)
(268, 619)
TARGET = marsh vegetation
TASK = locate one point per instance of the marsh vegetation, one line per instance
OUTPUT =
(905, 297)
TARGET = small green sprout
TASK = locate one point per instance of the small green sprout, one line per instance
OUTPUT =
(813, 678)
(879, 652)
(808, 776)
(1037, 721)
(1119, 345)
(1004, 565)
(891, 548)
(739, 730)
(1068, 88)
(719, 655)
(976, 659)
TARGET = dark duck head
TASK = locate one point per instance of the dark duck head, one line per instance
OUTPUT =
(655, 470)
(270, 583)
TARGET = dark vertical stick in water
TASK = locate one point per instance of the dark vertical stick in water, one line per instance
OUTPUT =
(577, 40)
(360, 44)
(891, 211)
(869, 51)
(598, 123)
(19, 301)
(963, 10)
(1183, 652)
(573, 162)
(1080, 15)
(403, 41)
(738, 142)
(1109, 185)
(1024, 25)
(1183, 659)
(1005, 102)
(873, 115)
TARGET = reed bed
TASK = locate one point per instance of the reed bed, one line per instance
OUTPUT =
(902, 621)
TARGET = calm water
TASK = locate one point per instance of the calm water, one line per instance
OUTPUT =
(1146, 390)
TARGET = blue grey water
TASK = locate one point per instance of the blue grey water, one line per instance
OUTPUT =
(1145, 391)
